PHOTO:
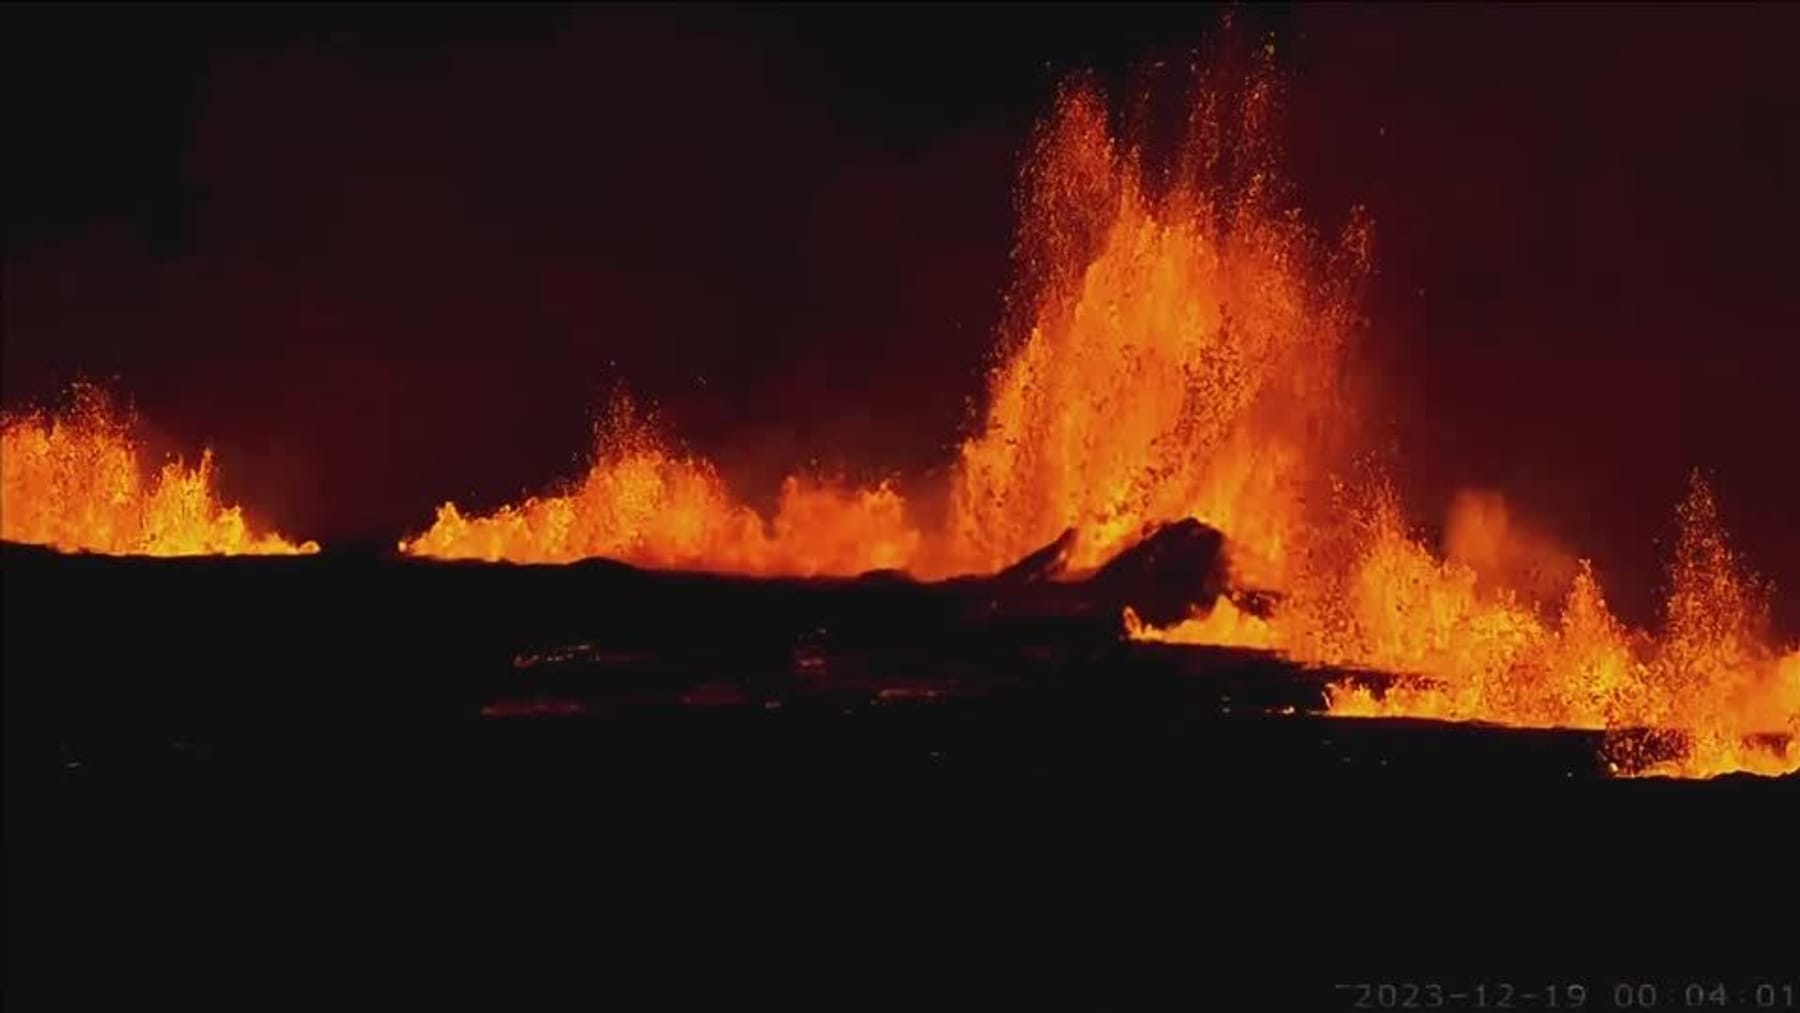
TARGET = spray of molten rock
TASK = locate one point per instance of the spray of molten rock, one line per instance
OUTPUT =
(1189, 353)
(1164, 356)
(1177, 344)
(644, 502)
(74, 481)
(1710, 677)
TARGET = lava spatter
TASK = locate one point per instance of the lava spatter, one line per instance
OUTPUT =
(75, 481)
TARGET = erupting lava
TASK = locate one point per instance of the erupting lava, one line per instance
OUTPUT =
(1172, 359)
(644, 503)
(1487, 653)
(1177, 361)
(74, 482)
(1179, 346)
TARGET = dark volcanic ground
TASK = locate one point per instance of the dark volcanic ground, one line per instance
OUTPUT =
(320, 772)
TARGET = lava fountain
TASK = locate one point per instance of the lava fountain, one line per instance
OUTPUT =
(1178, 344)
(644, 502)
(1711, 674)
(74, 481)
(1178, 359)
(1168, 356)
(1190, 355)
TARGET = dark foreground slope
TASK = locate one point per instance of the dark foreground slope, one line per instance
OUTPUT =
(319, 772)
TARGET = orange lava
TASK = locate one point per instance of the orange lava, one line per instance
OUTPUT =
(1710, 672)
(1175, 361)
(1186, 356)
(1178, 361)
(1180, 345)
(644, 503)
(74, 482)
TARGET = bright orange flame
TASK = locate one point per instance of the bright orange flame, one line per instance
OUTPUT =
(73, 482)
(643, 503)
(1710, 674)
(1482, 534)
(1178, 361)
(1225, 626)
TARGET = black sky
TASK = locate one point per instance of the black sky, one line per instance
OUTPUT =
(379, 257)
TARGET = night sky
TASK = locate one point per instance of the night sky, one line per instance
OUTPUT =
(378, 258)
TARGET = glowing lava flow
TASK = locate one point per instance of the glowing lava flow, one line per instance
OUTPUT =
(74, 483)
(643, 503)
